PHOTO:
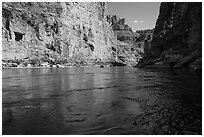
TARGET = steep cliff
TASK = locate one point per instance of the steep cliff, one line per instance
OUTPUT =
(121, 29)
(126, 51)
(72, 32)
(177, 38)
(144, 40)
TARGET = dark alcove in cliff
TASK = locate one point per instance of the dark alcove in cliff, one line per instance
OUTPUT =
(113, 49)
(85, 38)
(91, 46)
(18, 36)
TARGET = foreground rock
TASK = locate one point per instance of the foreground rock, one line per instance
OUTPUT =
(40, 64)
(177, 38)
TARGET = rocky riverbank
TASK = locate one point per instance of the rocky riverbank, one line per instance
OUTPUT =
(35, 63)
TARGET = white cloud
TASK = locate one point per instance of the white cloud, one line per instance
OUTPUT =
(135, 21)
(138, 21)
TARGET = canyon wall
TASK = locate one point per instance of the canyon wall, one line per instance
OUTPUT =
(126, 51)
(122, 31)
(73, 31)
(145, 39)
(177, 38)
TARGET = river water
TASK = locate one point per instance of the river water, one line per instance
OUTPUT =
(91, 100)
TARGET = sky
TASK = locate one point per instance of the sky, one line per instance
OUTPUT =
(138, 15)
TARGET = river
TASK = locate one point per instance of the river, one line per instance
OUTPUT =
(91, 100)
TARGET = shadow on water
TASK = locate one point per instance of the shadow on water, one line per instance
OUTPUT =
(115, 100)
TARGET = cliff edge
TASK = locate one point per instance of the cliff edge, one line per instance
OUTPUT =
(177, 38)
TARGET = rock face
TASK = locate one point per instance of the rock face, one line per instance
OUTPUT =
(145, 38)
(126, 50)
(121, 29)
(177, 38)
(127, 53)
(147, 31)
(67, 31)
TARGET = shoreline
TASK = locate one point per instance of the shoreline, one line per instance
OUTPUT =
(9, 65)
(58, 67)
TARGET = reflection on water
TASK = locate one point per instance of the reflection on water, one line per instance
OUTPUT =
(94, 100)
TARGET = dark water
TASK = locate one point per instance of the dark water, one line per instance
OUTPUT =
(117, 100)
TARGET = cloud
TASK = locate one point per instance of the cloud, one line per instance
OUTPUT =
(135, 21)
(138, 21)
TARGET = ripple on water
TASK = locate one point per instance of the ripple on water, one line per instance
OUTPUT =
(117, 100)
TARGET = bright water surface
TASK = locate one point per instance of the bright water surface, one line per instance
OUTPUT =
(94, 100)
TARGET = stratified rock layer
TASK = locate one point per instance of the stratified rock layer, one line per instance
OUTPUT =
(122, 31)
(126, 51)
(56, 31)
(145, 38)
(177, 38)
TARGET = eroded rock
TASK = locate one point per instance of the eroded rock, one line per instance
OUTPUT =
(177, 38)
(56, 31)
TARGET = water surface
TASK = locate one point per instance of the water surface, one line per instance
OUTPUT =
(113, 100)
